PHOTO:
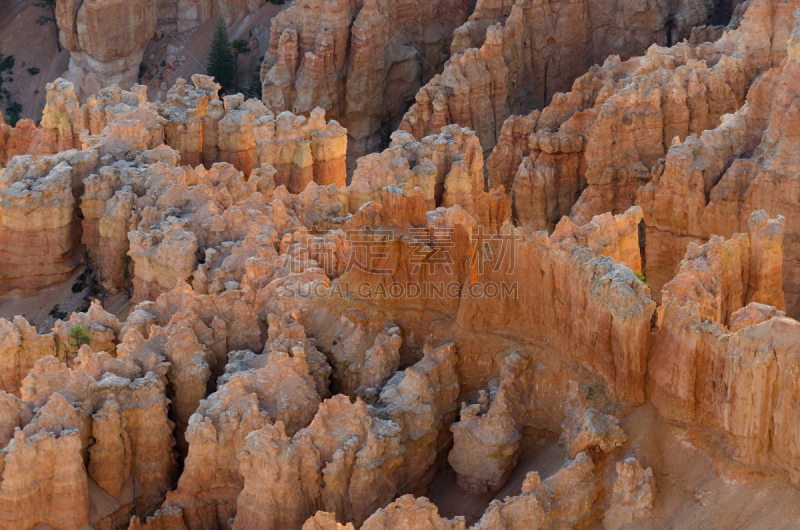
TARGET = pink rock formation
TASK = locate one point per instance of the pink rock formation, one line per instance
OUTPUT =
(694, 344)
(106, 40)
(62, 119)
(590, 150)
(533, 52)
(615, 236)
(20, 347)
(447, 169)
(102, 327)
(266, 285)
(42, 466)
(38, 225)
(364, 459)
(564, 500)
(350, 59)
(282, 390)
(743, 170)
(493, 432)
(417, 513)
(632, 496)
(115, 437)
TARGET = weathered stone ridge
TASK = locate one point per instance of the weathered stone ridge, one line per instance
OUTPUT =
(532, 52)
(359, 61)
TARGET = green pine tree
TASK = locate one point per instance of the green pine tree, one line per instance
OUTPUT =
(78, 337)
(220, 59)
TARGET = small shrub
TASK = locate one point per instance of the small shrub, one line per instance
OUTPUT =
(33, 71)
(57, 313)
(14, 111)
(81, 283)
(87, 260)
(641, 278)
(95, 289)
(126, 272)
(78, 337)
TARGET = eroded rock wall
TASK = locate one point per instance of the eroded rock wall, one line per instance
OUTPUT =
(717, 327)
(361, 62)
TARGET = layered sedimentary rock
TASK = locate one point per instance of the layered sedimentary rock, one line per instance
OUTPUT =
(365, 459)
(563, 500)
(165, 251)
(615, 236)
(361, 62)
(102, 327)
(138, 167)
(117, 435)
(472, 33)
(699, 366)
(533, 51)
(493, 431)
(280, 390)
(302, 346)
(21, 346)
(39, 228)
(443, 170)
(184, 111)
(590, 149)
(632, 496)
(62, 119)
(17, 140)
(106, 40)
(606, 295)
(46, 455)
(718, 187)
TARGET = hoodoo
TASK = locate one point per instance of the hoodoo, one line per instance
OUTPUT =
(389, 264)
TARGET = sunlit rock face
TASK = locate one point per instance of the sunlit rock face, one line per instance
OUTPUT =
(512, 57)
(570, 330)
(106, 40)
(362, 62)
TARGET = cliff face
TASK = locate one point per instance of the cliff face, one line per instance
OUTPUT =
(361, 62)
(106, 40)
(591, 148)
(509, 59)
(747, 171)
(721, 314)
(322, 356)
(39, 228)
